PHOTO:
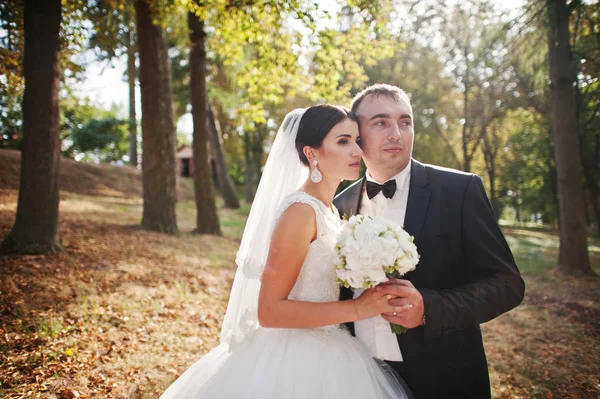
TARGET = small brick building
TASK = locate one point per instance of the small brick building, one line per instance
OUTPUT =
(185, 161)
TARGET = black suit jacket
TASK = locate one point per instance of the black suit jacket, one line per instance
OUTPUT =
(466, 275)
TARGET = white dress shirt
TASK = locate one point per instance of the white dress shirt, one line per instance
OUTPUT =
(375, 332)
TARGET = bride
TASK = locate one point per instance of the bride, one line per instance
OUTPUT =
(281, 337)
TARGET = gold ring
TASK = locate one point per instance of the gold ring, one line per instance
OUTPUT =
(388, 296)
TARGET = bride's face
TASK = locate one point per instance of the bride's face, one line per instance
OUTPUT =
(340, 153)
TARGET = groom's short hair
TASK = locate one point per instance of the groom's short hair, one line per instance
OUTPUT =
(380, 89)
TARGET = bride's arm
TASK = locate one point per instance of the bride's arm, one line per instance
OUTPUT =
(289, 245)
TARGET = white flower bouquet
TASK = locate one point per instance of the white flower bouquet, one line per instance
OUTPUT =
(370, 250)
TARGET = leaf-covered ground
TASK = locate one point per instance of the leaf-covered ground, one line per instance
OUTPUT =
(123, 311)
(120, 312)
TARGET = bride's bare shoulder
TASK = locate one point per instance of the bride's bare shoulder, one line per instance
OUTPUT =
(296, 222)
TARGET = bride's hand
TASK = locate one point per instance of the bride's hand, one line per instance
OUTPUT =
(374, 302)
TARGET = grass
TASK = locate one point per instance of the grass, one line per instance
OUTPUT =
(123, 311)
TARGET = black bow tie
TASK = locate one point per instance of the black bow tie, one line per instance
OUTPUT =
(388, 188)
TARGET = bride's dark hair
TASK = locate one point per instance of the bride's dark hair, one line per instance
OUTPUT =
(316, 122)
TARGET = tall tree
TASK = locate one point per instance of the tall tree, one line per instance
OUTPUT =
(207, 221)
(573, 257)
(218, 152)
(532, 143)
(492, 144)
(465, 49)
(36, 225)
(183, 61)
(158, 129)
(586, 51)
(114, 36)
(131, 79)
(493, 95)
(267, 72)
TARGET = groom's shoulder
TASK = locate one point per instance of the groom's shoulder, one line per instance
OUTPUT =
(349, 190)
(444, 171)
(447, 176)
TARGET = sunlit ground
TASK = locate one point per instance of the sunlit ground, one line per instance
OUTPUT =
(124, 311)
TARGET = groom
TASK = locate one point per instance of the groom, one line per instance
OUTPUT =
(466, 274)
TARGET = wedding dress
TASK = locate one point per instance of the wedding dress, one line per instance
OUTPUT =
(312, 363)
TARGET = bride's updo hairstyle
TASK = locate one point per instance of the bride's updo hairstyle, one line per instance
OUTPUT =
(316, 123)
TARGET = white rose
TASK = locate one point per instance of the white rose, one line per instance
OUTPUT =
(364, 232)
(377, 276)
(388, 258)
(353, 262)
(355, 281)
(406, 264)
(350, 246)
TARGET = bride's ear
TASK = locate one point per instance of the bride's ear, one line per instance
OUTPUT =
(309, 153)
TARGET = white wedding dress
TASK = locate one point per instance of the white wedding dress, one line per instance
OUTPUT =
(278, 363)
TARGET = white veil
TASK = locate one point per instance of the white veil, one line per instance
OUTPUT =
(283, 174)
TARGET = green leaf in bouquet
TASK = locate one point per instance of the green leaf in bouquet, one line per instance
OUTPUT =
(367, 284)
(343, 283)
(398, 329)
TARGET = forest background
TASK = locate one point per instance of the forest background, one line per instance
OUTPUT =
(508, 91)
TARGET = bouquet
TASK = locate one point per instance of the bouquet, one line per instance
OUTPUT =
(370, 250)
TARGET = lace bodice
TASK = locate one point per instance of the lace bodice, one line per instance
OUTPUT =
(317, 279)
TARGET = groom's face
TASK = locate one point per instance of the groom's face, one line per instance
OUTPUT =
(387, 135)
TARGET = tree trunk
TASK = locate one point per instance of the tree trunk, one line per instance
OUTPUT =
(465, 130)
(589, 159)
(593, 195)
(517, 206)
(573, 257)
(36, 226)
(158, 130)
(249, 175)
(207, 220)
(491, 170)
(552, 179)
(257, 151)
(224, 181)
(490, 155)
(253, 152)
(131, 76)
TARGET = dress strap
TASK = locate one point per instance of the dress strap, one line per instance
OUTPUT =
(304, 198)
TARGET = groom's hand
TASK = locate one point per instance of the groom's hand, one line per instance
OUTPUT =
(403, 293)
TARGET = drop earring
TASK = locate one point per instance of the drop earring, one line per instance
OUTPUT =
(316, 175)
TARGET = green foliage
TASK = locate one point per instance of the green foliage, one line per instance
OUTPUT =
(528, 177)
(101, 139)
(478, 81)
(113, 28)
(11, 97)
(342, 54)
(73, 37)
(89, 133)
(11, 74)
(586, 54)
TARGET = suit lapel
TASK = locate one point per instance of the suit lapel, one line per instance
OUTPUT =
(351, 198)
(418, 200)
(356, 197)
